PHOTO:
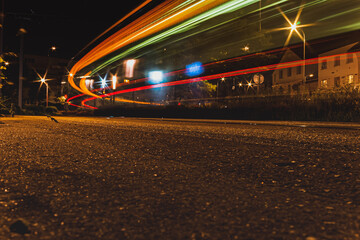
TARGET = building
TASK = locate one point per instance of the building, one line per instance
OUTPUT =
(339, 67)
(288, 76)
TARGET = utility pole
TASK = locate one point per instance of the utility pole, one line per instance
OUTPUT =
(2, 13)
(21, 33)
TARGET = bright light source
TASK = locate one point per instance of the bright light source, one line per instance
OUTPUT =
(293, 26)
(6, 63)
(129, 68)
(222, 79)
(103, 83)
(114, 81)
(156, 76)
(126, 80)
(194, 69)
(53, 48)
(89, 83)
(42, 80)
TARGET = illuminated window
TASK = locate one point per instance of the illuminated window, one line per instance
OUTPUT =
(324, 83)
(323, 64)
(337, 61)
(351, 79)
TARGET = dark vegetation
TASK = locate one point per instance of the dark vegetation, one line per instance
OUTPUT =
(323, 105)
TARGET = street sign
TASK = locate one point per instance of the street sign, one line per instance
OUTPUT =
(258, 79)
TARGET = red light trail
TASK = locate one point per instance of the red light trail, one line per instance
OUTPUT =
(221, 75)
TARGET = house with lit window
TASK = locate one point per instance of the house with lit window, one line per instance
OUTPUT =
(288, 78)
(339, 67)
(291, 77)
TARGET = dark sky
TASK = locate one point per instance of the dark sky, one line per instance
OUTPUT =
(67, 24)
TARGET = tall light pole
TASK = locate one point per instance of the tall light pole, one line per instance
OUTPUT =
(298, 30)
(2, 13)
(113, 83)
(21, 33)
(295, 27)
(304, 48)
(43, 80)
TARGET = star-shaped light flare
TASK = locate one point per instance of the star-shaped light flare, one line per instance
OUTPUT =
(293, 26)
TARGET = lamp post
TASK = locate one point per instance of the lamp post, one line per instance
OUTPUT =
(43, 80)
(298, 30)
(304, 48)
(1, 35)
(113, 83)
(217, 87)
(21, 33)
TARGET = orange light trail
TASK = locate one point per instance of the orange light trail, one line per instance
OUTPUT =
(274, 51)
(160, 18)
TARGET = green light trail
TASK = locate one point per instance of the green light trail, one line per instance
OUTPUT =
(185, 26)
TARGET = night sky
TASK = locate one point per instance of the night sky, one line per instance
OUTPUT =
(67, 24)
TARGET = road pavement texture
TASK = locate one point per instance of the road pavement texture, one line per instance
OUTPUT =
(120, 178)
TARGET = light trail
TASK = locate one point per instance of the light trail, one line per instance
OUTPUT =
(274, 51)
(185, 26)
(183, 70)
(146, 25)
(224, 75)
(179, 16)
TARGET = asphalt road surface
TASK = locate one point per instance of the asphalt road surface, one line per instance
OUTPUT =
(120, 178)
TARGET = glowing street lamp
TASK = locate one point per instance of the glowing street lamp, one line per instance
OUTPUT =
(103, 83)
(129, 68)
(217, 87)
(43, 81)
(114, 81)
(296, 27)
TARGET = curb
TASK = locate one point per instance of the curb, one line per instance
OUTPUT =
(332, 125)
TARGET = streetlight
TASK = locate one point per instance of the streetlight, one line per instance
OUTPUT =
(217, 87)
(43, 80)
(51, 49)
(21, 33)
(296, 27)
(304, 46)
(114, 81)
